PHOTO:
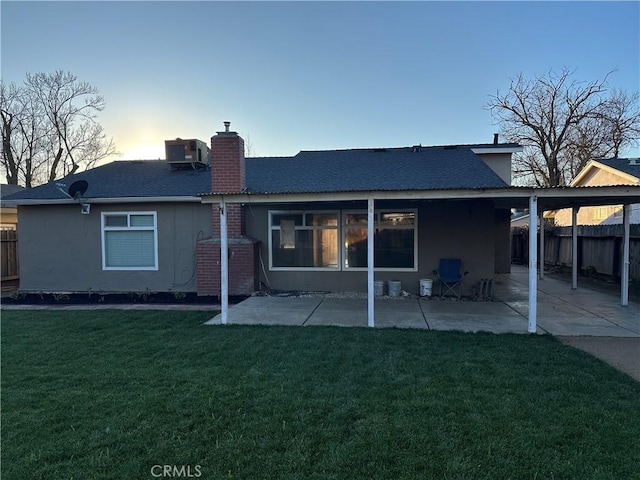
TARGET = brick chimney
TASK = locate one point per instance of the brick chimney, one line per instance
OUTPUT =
(228, 175)
(227, 162)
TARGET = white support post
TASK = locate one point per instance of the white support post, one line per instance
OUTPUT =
(224, 263)
(370, 260)
(624, 287)
(533, 263)
(541, 245)
(574, 248)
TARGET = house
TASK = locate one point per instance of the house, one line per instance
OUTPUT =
(614, 171)
(9, 267)
(149, 226)
(320, 220)
(304, 218)
(8, 213)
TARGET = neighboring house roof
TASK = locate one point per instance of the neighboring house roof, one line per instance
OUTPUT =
(6, 190)
(626, 165)
(520, 219)
(627, 168)
(383, 169)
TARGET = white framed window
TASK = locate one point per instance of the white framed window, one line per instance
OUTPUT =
(599, 213)
(129, 241)
(395, 242)
(304, 240)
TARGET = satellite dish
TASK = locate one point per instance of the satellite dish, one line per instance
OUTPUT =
(77, 188)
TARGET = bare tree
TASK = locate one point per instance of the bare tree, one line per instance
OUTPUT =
(49, 128)
(249, 150)
(562, 124)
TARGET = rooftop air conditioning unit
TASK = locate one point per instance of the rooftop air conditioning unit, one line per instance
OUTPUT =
(187, 152)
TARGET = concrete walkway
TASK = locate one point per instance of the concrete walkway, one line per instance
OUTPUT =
(566, 312)
(561, 311)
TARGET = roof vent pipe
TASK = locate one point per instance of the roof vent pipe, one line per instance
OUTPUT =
(495, 138)
(226, 126)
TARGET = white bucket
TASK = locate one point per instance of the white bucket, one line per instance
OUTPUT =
(426, 285)
(378, 288)
(395, 287)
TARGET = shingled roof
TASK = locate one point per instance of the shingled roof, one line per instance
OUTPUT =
(127, 179)
(383, 169)
(626, 165)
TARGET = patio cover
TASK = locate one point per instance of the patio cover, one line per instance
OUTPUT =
(537, 200)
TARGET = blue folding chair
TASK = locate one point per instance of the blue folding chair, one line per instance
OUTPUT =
(450, 275)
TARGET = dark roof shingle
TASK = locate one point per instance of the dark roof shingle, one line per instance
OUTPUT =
(424, 168)
(626, 165)
(139, 178)
(383, 169)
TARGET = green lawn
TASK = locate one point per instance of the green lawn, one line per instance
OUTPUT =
(109, 394)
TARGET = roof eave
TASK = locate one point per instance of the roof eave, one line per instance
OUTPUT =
(487, 150)
(549, 197)
(108, 200)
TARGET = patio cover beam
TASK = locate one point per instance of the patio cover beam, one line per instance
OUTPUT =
(548, 198)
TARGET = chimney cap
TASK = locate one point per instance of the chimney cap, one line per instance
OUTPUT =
(227, 124)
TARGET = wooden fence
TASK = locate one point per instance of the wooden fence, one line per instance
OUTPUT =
(599, 248)
(9, 254)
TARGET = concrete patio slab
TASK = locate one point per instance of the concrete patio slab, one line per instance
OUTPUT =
(561, 311)
(556, 309)
(350, 312)
(436, 307)
(270, 311)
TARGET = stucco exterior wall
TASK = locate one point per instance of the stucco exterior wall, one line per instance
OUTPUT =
(61, 249)
(499, 163)
(502, 241)
(463, 229)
